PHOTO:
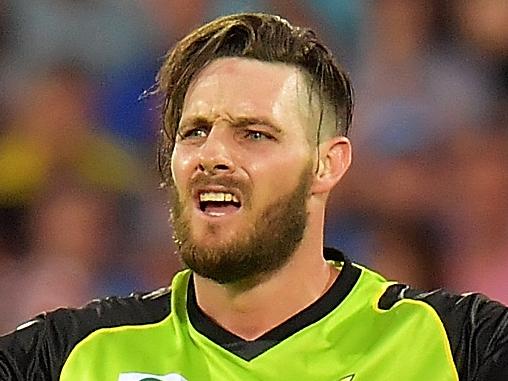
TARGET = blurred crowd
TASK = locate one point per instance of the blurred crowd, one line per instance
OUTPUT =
(81, 213)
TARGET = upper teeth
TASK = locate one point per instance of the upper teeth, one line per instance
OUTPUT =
(218, 196)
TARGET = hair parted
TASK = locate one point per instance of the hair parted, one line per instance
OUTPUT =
(258, 36)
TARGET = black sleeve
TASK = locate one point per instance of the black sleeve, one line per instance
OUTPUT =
(38, 349)
(482, 343)
(477, 329)
(35, 351)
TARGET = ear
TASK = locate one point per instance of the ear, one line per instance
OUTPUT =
(333, 162)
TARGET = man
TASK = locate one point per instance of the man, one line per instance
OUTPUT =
(255, 116)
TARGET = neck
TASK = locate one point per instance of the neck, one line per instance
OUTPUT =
(251, 310)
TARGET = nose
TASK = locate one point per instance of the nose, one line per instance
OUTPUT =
(215, 154)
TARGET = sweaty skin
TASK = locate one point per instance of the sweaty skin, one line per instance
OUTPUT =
(222, 100)
(242, 119)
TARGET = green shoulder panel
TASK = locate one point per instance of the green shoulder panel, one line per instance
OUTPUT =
(129, 349)
(405, 342)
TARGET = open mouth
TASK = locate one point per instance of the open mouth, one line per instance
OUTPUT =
(218, 203)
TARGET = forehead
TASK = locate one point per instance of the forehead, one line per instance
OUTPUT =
(244, 87)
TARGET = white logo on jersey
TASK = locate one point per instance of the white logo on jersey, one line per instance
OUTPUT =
(348, 378)
(149, 377)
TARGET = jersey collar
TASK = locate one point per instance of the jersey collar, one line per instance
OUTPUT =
(249, 350)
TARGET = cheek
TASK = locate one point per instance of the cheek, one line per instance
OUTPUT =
(280, 173)
(181, 166)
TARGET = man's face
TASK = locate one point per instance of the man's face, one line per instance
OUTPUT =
(242, 169)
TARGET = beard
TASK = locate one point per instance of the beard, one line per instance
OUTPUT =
(256, 254)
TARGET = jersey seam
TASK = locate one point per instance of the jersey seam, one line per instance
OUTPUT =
(435, 317)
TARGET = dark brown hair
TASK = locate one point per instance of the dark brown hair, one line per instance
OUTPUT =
(258, 36)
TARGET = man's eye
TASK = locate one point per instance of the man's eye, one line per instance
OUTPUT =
(195, 133)
(257, 135)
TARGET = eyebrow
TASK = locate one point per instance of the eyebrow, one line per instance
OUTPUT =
(245, 121)
(238, 122)
(193, 121)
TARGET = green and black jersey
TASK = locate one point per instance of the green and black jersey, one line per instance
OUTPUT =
(363, 329)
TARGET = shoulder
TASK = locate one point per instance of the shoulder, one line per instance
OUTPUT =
(138, 308)
(476, 328)
(38, 348)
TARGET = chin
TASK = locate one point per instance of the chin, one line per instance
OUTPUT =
(212, 243)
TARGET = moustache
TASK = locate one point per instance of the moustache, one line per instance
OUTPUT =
(202, 180)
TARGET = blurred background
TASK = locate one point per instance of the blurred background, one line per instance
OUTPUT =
(81, 215)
